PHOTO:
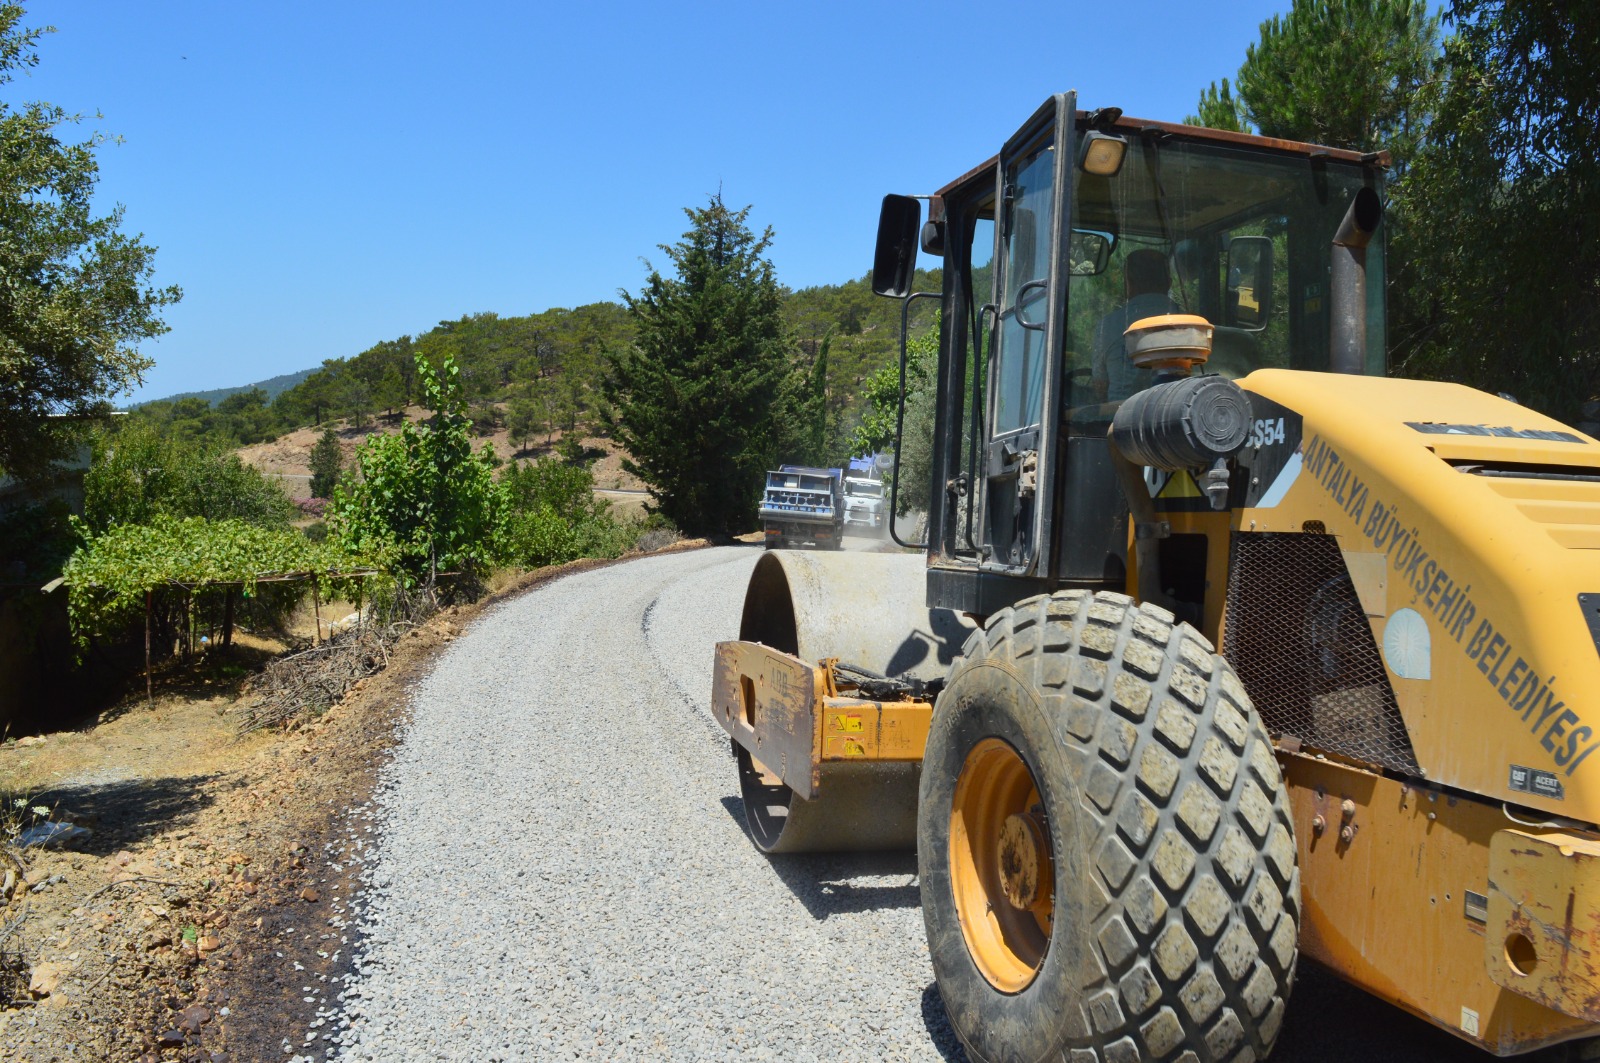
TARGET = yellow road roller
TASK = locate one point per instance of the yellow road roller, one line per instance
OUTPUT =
(1222, 648)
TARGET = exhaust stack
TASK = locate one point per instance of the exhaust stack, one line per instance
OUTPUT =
(1348, 339)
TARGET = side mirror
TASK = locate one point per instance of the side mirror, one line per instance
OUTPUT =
(1249, 284)
(899, 223)
(1088, 253)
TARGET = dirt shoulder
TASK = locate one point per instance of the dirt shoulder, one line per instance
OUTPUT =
(206, 913)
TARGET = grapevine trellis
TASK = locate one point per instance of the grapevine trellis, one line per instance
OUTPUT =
(120, 577)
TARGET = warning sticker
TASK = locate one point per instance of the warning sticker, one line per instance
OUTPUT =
(843, 723)
(1181, 485)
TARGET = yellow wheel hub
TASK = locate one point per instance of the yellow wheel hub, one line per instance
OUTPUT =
(1001, 866)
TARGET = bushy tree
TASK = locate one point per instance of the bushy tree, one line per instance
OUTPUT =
(485, 417)
(876, 432)
(554, 515)
(327, 462)
(75, 291)
(882, 392)
(693, 398)
(423, 497)
(1505, 205)
(138, 475)
(1220, 109)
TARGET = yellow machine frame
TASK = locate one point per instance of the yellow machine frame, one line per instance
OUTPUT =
(792, 717)
(1462, 896)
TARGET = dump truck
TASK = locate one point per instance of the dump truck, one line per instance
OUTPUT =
(1225, 650)
(803, 505)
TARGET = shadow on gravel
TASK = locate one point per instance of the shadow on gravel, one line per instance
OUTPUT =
(1327, 1019)
(938, 1024)
(1331, 1019)
(123, 812)
(826, 883)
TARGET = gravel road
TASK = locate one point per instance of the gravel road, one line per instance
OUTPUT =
(561, 869)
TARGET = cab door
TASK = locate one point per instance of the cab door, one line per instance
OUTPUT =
(1028, 331)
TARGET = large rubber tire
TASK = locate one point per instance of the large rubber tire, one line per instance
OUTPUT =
(1170, 933)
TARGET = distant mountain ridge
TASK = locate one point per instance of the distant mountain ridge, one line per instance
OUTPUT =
(273, 386)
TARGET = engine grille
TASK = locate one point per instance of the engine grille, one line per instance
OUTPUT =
(1303, 648)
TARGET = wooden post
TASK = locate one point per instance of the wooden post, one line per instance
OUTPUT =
(227, 620)
(149, 686)
(316, 612)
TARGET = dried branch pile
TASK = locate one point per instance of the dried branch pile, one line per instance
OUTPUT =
(308, 682)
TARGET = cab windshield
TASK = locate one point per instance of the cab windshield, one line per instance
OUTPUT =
(1236, 235)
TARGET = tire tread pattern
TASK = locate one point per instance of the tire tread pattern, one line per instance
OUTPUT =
(1184, 819)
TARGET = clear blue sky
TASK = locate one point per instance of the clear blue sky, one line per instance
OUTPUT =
(319, 177)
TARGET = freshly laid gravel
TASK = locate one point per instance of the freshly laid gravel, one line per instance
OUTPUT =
(556, 868)
(561, 871)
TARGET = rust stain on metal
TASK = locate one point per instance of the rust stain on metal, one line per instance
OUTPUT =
(766, 701)
(1541, 933)
(1355, 895)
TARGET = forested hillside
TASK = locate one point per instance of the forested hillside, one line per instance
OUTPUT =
(536, 374)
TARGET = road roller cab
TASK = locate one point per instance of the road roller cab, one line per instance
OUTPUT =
(1222, 649)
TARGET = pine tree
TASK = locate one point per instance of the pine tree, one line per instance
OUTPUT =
(327, 461)
(1345, 73)
(1351, 74)
(694, 400)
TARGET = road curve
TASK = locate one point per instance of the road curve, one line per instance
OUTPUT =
(561, 870)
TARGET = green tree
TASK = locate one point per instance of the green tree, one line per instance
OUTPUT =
(327, 462)
(139, 474)
(243, 416)
(357, 402)
(523, 421)
(876, 432)
(693, 399)
(555, 516)
(76, 296)
(423, 496)
(1504, 202)
(1220, 109)
(1345, 73)
(882, 391)
(812, 418)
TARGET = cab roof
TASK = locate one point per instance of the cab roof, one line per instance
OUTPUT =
(1136, 126)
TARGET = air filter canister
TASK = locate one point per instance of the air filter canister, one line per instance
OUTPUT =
(1168, 342)
(1183, 424)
